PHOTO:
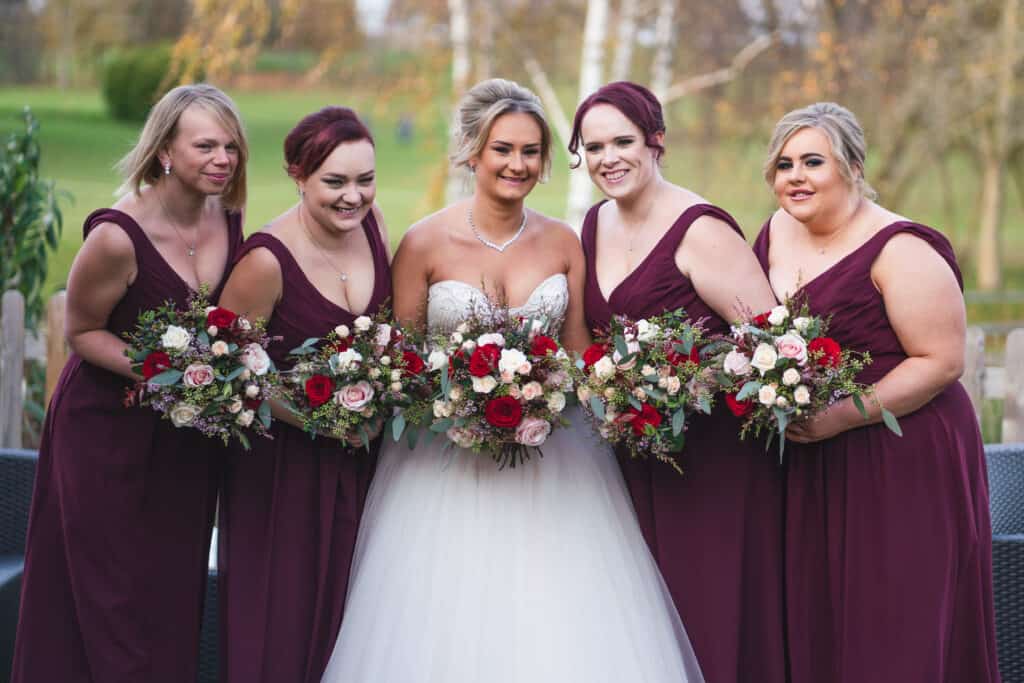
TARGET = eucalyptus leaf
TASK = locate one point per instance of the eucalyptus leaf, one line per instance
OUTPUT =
(441, 426)
(165, 378)
(891, 422)
(749, 389)
(678, 422)
(397, 426)
(597, 407)
(859, 403)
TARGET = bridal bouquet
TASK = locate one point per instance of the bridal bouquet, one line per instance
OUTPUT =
(204, 368)
(349, 382)
(642, 378)
(778, 367)
(501, 387)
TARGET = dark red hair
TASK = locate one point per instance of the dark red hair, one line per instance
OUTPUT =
(314, 138)
(637, 103)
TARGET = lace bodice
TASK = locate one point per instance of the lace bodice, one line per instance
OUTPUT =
(449, 302)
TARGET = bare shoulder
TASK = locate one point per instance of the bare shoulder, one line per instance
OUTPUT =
(260, 262)
(109, 242)
(557, 229)
(426, 233)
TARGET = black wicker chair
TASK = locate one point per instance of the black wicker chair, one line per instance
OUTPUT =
(1006, 491)
(17, 475)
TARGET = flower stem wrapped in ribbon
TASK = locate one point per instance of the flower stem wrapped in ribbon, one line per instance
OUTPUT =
(777, 367)
(204, 368)
(642, 379)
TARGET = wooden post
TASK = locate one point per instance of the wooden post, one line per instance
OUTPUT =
(56, 346)
(1013, 396)
(12, 367)
(974, 368)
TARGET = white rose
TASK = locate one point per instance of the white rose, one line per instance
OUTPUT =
(219, 347)
(383, 337)
(457, 338)
(674, 385)
(525, 369)
(252, 391)
(396, 387)
(604, 368)
(801, 324)
(639, 394)
(243, 324)
(508, 376)
(583, 394)
(792, 346)
(182, 414)
(442, 408)
(245, 418)
(461, 437)
(468, 346)
(437, 359)
(175, 338)
(802, 395)
(212, 330)
(533, 431)
(556, 402)
(245, 375)
(198, 375)
(354, 396)
(647, 331)
(484, 385)
(345, 361)
(235, 406)
(511, 360)
(396, 375)
(790, 377)
(663, 382)
(374, 373)
(455, 393)
(491, 338)
(632, 349)
(255, 359)
(610, 416)
(385, 360)
(781, 401)
(647, 370)
(764, 358)
(736, 363)
(342, 331)
(209, 309)
(609, 393)
(532, 390)
(766, 395)
(778, 315)
(363, 323)
(561, 354)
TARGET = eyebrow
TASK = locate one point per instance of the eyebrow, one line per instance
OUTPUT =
(342, 176)
(512, 144)
(802, 156)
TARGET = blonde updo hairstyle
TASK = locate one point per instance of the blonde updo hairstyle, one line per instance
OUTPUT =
(484, 104)
(845, 136)
(142, 164)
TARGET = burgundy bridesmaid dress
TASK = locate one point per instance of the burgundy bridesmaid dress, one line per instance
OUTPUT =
(716, 532)
(291, 509)
(121, 518)
(888, 539)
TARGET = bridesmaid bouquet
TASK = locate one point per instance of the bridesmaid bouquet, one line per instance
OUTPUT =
(641, 380)
(777, 368)
(205, 368)
(343, 384)
(500, 387)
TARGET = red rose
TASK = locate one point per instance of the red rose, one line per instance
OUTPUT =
(155, 363)
(319, 389)
(504, 412)
(413, 363)
(459, 357)
(484, 360)
(831, 354)
(647, 415)
(221, 318)
(738, 408)
(761, 320)
(593, 354)
(676, 358)
(342, 344)
(541, 345)
(252, 403)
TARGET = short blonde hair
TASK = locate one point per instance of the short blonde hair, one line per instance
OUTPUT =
(142, 165)
(845, 136)
(482, 105)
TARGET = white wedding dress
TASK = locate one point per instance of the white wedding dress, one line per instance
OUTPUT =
(464, 573)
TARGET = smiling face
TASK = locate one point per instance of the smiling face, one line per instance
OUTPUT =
(510, 163)
(618, 158)
(808, 183)
(203, 155)
(340, 193)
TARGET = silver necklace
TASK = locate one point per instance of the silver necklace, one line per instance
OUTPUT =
(191, 248)
(342, 275)
(500, 248)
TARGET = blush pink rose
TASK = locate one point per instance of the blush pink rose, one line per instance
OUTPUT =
(533, 432)
(792, 346)
(354, 396)
(198, 375)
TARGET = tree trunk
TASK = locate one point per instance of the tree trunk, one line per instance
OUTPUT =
(591, 67)
(458, 24)
(625, 40)
(485, 41)
(661, 69)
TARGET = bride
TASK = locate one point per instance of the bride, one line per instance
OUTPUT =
(464, 573)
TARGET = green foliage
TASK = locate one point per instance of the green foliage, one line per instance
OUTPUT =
(133, 79)
(30, 218)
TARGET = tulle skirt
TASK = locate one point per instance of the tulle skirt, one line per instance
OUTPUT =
(464, 573)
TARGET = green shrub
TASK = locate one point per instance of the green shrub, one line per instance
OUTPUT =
(133, 79)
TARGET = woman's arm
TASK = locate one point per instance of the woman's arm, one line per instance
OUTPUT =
(410, 278)
(575, 336)
(926, 310)
(100, 276)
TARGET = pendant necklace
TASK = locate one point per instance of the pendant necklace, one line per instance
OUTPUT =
(190, 248)
(500, 248)
(342, 275)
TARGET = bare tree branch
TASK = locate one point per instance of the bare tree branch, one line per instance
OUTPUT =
(743, 58)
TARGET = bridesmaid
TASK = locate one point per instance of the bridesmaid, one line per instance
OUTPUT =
(291, 506)
(715, 532)
(888, 539)
(122, 512)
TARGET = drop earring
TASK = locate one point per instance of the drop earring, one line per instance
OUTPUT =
(167, 168)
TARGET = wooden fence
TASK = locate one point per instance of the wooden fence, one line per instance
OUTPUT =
(983, 382)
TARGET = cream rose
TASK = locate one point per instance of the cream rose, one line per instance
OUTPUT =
(219, 348)
(468, 346)
(674, 385)
(491, 338)
(532, 431)
(766, 395)
(457, 338)
(461, 437)
(342, 331)
(235, 406)
(583, 394)
(604, 368)
(344, 361)
(532, 390)
(354, 396)
(485, 384)
(764, 358)
(632, 349)
(647, 331)
(801, 324)
(385, 360)
(198, 375)
(511, 360)
(243, 323)
(182, 414)
(437, 359)
(252, 391)
(175, 338)
(736, 363)
(383, 337)
(792, 346)
(802, 395)
(245, 418)
(508, 376)
(396, 387)
(455, 393)
(778, 315)
(609, 393)
(396, 375)
(790, 377)
(255, 359)
(515, 392)
(781, 401)
(556, 402)
(212, 330)
(363, 323)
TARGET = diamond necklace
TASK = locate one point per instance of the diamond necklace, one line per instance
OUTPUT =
(342, 275)
(500, 248)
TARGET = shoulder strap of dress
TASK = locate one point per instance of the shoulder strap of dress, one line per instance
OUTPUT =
(933, 237)
(674, 237)
(588, 231)
(235, 235)
(372, 228)
(761, 244)
(276, 247)
(120, 218)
